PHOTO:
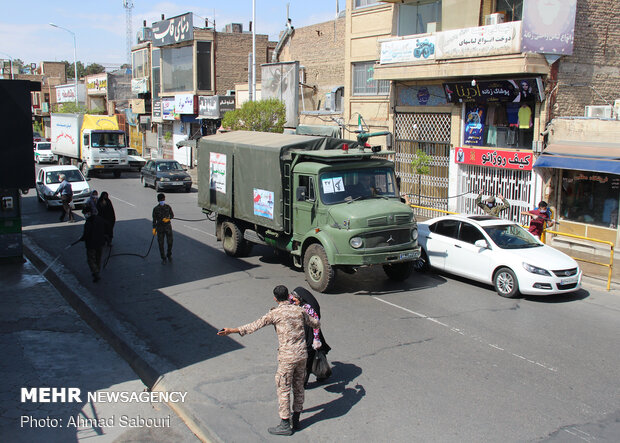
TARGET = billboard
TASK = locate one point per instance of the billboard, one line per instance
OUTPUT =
(173, 30)
(281, 81)
(549, 26)
(495, 158)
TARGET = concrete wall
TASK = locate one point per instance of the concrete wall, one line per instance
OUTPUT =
(456, 14)
(585, 130)
(594, 68)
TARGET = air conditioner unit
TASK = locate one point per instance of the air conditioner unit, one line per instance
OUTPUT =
(145, 35)
(598, 111)
(494, 19)
(617, 109)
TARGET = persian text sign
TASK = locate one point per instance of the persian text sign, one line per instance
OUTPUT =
(408, 50)
(496, 158)
(174, 30)
(65, 94)
(504, 38)
(549, 26)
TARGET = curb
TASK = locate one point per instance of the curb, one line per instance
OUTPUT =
(120, 338)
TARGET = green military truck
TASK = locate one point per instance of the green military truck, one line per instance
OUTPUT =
(330, 203)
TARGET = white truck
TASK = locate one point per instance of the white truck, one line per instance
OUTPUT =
(93, 143)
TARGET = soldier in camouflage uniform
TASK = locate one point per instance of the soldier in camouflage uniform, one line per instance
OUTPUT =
(289, 321)
(490, 205)
(162, 214)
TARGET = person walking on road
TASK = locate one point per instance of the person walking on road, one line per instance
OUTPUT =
(106, 210)
(66, 196)
(92, 202)
(162, 214)
(540, 216)
(314, 336)
(490, 205)
(289, 321)
(93, 237)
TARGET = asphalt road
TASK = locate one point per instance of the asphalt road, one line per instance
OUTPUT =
(435, 358)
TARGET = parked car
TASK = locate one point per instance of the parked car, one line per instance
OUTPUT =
(48, 180)
(136, 161)
(43, 152)
(496, 251)
(165, 175)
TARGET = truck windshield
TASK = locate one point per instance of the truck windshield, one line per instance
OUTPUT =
(107, 140)
(356, 184)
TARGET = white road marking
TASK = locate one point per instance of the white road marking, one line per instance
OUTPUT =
(130, 204)
(461, 332)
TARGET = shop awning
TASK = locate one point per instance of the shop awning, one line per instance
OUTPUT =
(581, 156)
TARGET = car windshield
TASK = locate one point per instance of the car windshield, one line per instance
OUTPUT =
(511, 237)
(356, 184)
(169, 166)
(107, 140)
(73, 175)
(44, 146)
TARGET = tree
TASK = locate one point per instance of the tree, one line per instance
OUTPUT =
(421, 166)
(72, 108)
(264, 116)
(70, 69)
(94, 68)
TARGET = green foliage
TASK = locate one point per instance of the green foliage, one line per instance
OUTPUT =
(72, 108)
(167, 136)
(94, 68)
(264, 116)
(421, 163)
(37, 127)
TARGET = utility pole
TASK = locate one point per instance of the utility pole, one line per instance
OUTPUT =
(128, 5)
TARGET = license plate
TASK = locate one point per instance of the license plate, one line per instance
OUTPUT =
(99, 166)
(176, 183)
(407, 255)
(568, 281)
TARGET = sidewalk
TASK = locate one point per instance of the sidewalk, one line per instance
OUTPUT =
(44, 343)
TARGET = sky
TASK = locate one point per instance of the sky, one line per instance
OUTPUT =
(100, 29)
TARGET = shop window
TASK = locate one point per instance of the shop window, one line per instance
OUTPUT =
(203, 60)
(364, 3)
(590, 197)
(513, 9)
(502, 124)
(363, 82)
(414, 17)
(140, 63)
(177, 68)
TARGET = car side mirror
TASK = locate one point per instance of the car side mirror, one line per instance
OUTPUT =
(301, 193)
(481, 244)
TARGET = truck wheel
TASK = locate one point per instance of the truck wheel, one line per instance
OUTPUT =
(319, 273)
(84, 168)
(399, 271)
(117, 174)
(232, 239)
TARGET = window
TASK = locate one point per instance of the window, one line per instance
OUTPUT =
(590, 197)
(469, 233)
(414, 17)
(155, 62)
(512, 8)
(363, 82)
(449, 228)
(364, 3)
(203, 61)
(308, 182)
(140, 63)
(177, 68)
(356, 184)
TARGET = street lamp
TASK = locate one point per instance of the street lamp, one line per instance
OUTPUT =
(74, 60)
(11, 63)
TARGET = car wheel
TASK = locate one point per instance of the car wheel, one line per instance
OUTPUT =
(505, 282)
(319, 273)
(422, 264)
(398, 271)
(188, 188)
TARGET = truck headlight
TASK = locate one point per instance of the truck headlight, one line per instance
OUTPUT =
(535, 270)
(356, 242)
(414, 234)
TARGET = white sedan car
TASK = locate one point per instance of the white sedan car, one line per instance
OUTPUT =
(495, 251)
(48, 181)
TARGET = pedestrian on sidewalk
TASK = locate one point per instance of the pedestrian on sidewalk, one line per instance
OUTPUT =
(66, 196)
(162, 214)
(540, 216)
(314, 336)
(490, 205)
(94, 239)
(106, 210)
(289, 321)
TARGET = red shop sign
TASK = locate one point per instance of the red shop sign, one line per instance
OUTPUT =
(495, 158)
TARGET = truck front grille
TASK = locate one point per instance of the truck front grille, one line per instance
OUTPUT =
(387, 239)
(109, 162)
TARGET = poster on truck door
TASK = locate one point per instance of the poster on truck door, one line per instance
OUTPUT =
(217, 172)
